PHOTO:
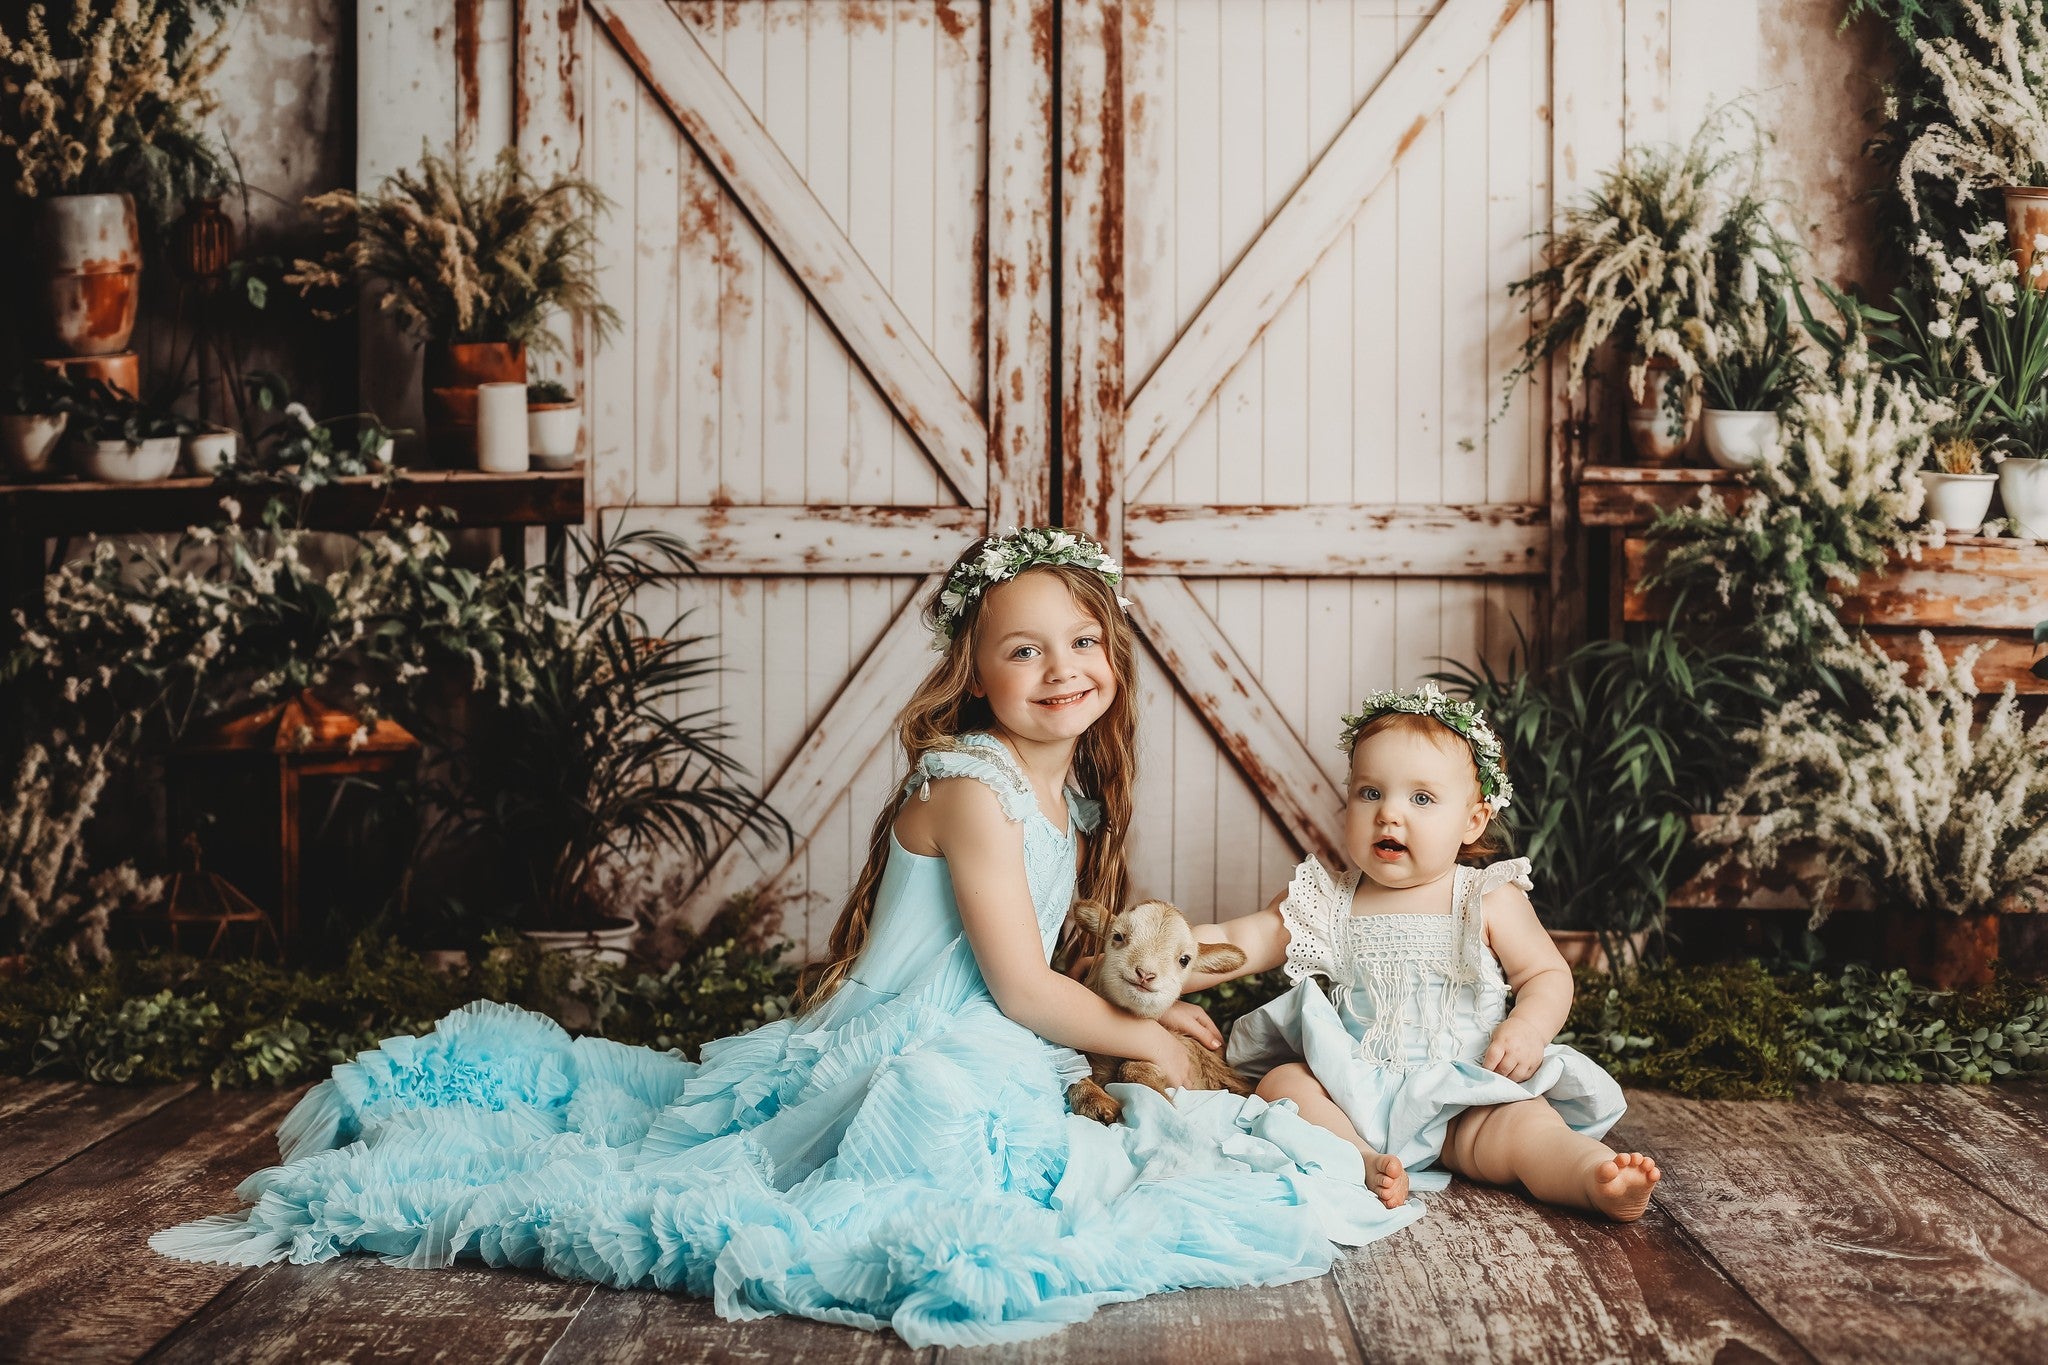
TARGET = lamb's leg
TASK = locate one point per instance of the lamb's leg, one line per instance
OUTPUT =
(1091, 1101)
(1143, 1073)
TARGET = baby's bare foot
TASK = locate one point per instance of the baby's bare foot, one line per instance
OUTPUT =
(1385, 1177)
(1621, 1186)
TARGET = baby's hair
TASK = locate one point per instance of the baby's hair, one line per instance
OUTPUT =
(944, 707)
(1489, 844)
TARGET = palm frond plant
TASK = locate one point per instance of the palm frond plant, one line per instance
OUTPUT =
(1653, 255)
(1613, 749)
(468, 256)
(608, 754)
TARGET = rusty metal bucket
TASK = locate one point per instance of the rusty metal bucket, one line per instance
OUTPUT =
(87, 253)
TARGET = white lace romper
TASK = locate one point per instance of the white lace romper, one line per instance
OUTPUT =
(1412, 1003)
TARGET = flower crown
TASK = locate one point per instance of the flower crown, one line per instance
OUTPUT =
(1006, 556)
(1463, 717)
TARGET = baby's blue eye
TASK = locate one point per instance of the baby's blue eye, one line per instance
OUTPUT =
(1423, 799)
(1368, 793)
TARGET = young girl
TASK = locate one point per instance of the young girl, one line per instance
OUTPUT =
(900, 1153)
(1414, 1056)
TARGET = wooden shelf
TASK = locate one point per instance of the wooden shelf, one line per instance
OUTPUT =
(1623, 496)
(40, 511)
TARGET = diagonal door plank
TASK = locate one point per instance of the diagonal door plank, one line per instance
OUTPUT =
(739, 151)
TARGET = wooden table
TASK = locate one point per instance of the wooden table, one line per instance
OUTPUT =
(38, 520)
(1971, 590)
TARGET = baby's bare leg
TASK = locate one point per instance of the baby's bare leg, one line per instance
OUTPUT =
(1384, 1175)
(1529, 1144)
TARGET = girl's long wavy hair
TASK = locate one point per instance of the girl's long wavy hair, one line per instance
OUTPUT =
(943, 708)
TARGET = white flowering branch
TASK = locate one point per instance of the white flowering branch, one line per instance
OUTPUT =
(1997, 129)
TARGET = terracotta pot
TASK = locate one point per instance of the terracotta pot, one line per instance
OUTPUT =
(86, 256)
(27, 442)
(1947, 952)
(451, 373)
(121, 371)
(2026, 217)
(1582, 948)
(1661, 425)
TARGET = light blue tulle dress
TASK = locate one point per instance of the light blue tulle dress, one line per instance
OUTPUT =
(1413, 1001)
(901, 1156)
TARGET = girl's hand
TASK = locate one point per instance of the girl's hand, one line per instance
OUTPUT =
(1192, 1021)
(1173, 1059)
(1516, 1050)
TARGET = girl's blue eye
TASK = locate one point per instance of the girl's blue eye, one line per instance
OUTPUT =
(1024, 651)
(1087, 642)
(1423, 799)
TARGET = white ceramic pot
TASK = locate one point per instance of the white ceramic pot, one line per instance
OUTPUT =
(609, 944)
(28, 441)
(1661, 425)
(209, 452)
(553, 431)
(2023, 484)
(501, 428)
(1958, 501)
(119, 462)
(1737, 439)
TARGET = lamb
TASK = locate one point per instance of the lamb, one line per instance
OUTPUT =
(1147, 952)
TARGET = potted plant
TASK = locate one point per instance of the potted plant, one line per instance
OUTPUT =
(1958, 490)
(107, 105)
(1756, 370)
(32, 419)
(1942, 817)
(306, 451)
(475, 264)
(1613, 747)
(554, 424)
(1669, 240)
(600, 754)
(118, 439)
(1996, 132)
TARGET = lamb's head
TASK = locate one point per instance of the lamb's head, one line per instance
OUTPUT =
(1147, 952)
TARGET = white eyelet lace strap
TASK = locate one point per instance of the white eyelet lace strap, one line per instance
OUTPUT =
(1310, 912)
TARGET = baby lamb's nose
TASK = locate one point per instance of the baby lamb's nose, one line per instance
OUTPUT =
(1144, 977)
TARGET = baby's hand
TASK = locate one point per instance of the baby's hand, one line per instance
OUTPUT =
(1516, 1050)
(1185, 1017)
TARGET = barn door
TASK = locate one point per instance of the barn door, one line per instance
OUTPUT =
(1288, 230)
(831, 248)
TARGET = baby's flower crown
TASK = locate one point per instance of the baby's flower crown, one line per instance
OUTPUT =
(1463, 717)
(1006, 556)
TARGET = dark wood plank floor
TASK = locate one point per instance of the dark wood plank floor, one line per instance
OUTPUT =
(1858, 1223)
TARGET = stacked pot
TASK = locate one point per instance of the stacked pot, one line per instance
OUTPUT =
(83, 288)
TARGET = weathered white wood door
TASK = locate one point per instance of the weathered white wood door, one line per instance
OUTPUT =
(831, 247)
(1289, 227)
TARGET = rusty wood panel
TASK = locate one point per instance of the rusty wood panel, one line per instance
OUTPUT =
(1981, 586)
(1635, 505)
(1227, 693)
(1280, 1324)
(1859, 1246)
(1492, 1275)
(77, 1280)
(547, 122)
(630, 1328)
(1093, 493)
(854, 726)
(359, 1309)
(44, 1123)
(1788, 886)
(2007, 659)
(1992, 1136)
(1643, 474)
(1019, 316)
(677, 71)
(1392, 540)
(1586, 109)
(1314, 216)
(816, 540)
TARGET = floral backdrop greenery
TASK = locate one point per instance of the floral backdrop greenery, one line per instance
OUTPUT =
(565, 745)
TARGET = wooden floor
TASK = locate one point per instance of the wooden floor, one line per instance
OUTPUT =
(1862, 1223)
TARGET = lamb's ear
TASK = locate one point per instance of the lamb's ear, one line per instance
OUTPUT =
(1093, 916)
(1219, 957)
